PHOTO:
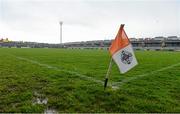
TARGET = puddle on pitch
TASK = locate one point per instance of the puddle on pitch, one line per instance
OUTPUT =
(39, 99)
(42, 100)
(50, 111)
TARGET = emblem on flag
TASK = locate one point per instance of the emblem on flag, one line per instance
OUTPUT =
(126, 57)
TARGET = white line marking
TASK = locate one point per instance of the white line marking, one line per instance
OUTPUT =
(143, 75)
(114, 85)
(55, 68)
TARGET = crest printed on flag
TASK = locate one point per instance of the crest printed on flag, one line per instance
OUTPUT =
(122, 52)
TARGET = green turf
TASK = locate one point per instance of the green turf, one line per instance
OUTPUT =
(24, 74)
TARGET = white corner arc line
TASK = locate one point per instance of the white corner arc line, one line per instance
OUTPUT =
(143, 75)
(55, 68)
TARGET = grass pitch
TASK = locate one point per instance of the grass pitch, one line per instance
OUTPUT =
(71, 81)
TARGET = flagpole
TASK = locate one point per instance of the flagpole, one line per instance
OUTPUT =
(108, 74)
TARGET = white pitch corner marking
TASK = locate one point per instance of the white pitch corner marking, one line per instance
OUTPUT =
(143, 75)
(114, 85)
(55, 68)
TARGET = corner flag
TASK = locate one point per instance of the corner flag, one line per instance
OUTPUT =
(122, 52)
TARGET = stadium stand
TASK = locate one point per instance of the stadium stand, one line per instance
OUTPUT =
(157, 43)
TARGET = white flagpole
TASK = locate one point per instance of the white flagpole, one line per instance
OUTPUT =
(108, 73)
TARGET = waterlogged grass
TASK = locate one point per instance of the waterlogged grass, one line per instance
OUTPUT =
(22, 81)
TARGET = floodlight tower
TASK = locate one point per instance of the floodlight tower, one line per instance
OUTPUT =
(60, 23)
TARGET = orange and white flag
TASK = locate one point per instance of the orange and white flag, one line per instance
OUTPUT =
(122, 52)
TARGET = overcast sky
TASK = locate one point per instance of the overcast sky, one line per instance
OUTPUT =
(38, 20)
